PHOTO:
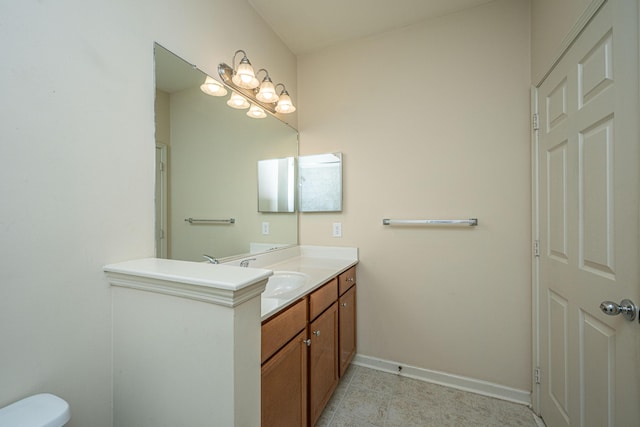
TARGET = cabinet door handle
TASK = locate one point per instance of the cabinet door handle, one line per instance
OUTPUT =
(307, 342)
(316, 333)
(350, 279)
(344, 304)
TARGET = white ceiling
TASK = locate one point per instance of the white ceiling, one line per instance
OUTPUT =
(308, 25)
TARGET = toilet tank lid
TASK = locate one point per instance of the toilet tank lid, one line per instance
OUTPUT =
(40, 410)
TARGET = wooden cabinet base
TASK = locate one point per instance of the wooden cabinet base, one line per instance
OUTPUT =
(300, 374)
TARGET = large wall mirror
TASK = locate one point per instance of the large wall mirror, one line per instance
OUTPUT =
(206, 157)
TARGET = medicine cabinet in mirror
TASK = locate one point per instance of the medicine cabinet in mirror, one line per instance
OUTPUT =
(206, 170)
(276, 185)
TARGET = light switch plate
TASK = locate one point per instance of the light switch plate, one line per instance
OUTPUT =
(265, 228)
(337, 229)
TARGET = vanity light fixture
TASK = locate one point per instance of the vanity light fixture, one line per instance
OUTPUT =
(244, 84)
(237, 101)
(267, 91)
(256, 112)
(284, 106)
(243, 75)
(213, 87)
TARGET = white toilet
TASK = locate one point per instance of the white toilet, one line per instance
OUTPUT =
(40, 410)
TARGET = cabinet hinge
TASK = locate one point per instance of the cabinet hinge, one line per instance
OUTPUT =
(536, 248)
(536, 124)
(536, 375)
(161, 166)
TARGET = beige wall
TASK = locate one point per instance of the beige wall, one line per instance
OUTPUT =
(551, 23)
(433, 121)
(77, 172)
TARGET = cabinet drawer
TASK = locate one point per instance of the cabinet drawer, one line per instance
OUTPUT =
(277, 331)
(347, 280)
(321, 299)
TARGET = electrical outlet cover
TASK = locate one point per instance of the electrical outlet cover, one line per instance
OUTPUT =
(337, 229)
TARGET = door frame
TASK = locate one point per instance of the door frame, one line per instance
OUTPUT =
(535, 259)
(584, 19)
(163, 193)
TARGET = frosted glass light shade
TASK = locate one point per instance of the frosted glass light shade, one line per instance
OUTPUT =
(267, 92)
(285, 106)
(245, 77)
(256, 112)
(213, 87)
(237, 101)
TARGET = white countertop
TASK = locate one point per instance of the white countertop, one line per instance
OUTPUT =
(319, 270)
(195, 273)
(319, 263)
(229, 284)
(219, 284)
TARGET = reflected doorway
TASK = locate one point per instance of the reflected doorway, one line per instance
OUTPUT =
(161, 200)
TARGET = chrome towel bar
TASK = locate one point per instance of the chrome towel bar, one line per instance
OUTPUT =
(471, 221)
(210, 221)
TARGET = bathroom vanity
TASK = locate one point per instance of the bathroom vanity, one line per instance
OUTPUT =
(306, 348)
(193, 342)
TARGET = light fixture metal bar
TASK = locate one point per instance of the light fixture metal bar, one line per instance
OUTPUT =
(226, 74)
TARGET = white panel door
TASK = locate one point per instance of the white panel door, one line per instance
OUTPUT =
(588, 217)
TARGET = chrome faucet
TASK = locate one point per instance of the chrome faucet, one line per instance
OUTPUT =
(245, 262)
(211, 259)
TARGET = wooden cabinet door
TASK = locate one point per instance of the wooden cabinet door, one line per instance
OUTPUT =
(347, 331)
(323, 361)
(284, 386)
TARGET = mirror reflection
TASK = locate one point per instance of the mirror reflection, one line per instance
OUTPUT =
(276, 185)
(206, 156)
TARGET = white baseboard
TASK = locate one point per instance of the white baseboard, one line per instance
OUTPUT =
(485, 388)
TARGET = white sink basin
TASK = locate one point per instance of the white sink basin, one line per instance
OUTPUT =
(284, 283)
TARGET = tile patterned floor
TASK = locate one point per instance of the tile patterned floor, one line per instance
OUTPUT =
(370, 398)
